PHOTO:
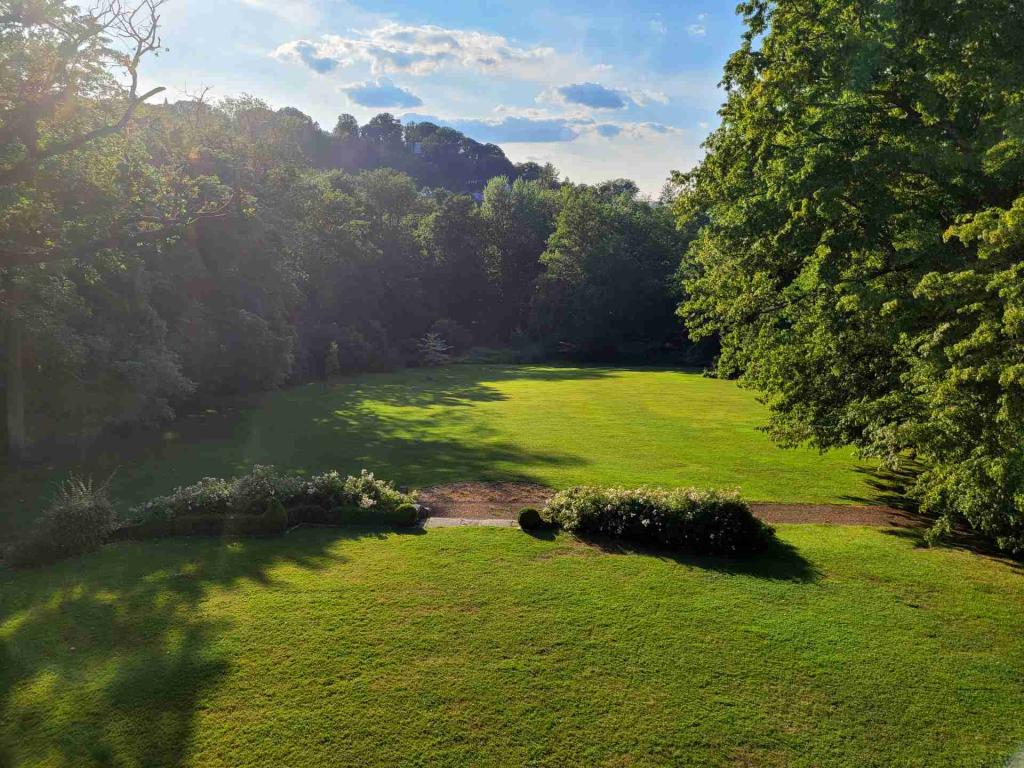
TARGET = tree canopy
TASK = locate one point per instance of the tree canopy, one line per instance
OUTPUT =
(863, 257)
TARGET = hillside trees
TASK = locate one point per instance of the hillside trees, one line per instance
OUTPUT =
(863, 261)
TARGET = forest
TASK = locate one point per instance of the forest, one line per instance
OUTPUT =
(171, 252)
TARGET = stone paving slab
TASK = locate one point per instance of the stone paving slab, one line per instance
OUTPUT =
(454, 522)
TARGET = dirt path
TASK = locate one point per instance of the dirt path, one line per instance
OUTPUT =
(504, 500)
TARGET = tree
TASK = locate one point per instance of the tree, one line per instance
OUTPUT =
(57, 98)
(384, 130)
(865, 252)
(520, 218)
(346, 127)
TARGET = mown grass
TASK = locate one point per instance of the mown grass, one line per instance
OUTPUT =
(489, 647)
(555, 426)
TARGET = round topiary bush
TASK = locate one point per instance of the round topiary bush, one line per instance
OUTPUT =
(530, 519)
(405, 516)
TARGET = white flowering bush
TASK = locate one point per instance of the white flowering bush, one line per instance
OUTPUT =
(251, 493)
(78, 520)
(713, 522)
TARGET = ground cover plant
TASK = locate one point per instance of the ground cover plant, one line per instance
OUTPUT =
(557, 426)
(843, 646)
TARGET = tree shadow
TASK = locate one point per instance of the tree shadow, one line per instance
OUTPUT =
(108, 659)
(891, 487)
(356, 422)
(961, 539)
(780, 561)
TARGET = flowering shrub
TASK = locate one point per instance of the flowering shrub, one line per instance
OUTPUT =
(77, 521)
(251, 494)
(704, 521)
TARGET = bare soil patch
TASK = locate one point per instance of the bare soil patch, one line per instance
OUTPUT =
(504, 500)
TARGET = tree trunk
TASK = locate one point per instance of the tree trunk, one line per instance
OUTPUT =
(16, 444)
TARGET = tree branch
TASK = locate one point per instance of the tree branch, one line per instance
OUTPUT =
(20, 170)
(171, 228)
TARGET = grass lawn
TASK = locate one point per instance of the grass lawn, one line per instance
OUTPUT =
(489, 647)
(555, 426)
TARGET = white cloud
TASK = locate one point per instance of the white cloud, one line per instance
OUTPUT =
(596, 96)
(702, 17)
(658, 27)
(417, 51)
(697, 30)
(380, 92)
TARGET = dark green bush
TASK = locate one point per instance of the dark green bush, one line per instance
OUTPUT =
(530, 519)
(78, 520)
(703, 521)
(406, 516)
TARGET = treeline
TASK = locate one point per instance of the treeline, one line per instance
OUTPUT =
(201, 249)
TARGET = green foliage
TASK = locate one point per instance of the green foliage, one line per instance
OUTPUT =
(682, 518)
(404, 516)
(261, 492)
(461, 340)
(434, 350)
(78, 520)
(608, 268)
(862, 256)
(529, 519)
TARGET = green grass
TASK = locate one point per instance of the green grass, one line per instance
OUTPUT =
(488, 647)
(555, 426)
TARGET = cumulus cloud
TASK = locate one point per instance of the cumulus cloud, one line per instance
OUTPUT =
(414, 50)
(608, 130)
(380, 92)
(596, 96)
(697, 30)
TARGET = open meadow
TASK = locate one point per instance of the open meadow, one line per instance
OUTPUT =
(845, 646)
(419, 427)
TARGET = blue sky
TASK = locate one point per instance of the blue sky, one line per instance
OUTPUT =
(601, 89)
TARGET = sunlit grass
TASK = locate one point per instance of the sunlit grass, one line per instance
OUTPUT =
(555, 426)
(488, 647)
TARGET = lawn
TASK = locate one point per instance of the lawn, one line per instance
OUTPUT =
(554, 426)
(488, 647)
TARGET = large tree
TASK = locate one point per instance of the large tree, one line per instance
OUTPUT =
(864, 259)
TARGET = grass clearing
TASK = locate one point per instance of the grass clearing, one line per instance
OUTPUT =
(554, 426)
(849, 647)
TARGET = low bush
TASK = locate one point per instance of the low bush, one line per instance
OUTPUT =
(711, 522)
(79, 520)
(251, 493)
(406, 516)
(530, 519)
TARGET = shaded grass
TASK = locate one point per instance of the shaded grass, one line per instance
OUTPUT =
(489, 647)
(554, 426)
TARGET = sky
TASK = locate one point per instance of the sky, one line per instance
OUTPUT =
(601, 89)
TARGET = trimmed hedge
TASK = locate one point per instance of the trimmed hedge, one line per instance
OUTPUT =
(530, 519)
(406, 516)
(711, 522)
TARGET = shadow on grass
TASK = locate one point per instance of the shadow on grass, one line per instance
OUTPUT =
(780, 561)
(891, 487)
(109, 659)
(962, 540)
(347, 426)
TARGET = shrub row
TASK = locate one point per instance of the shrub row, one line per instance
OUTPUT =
(711, 522)
(262, 503)
(251, 493)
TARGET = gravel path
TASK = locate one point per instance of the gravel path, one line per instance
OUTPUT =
(502, 501)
